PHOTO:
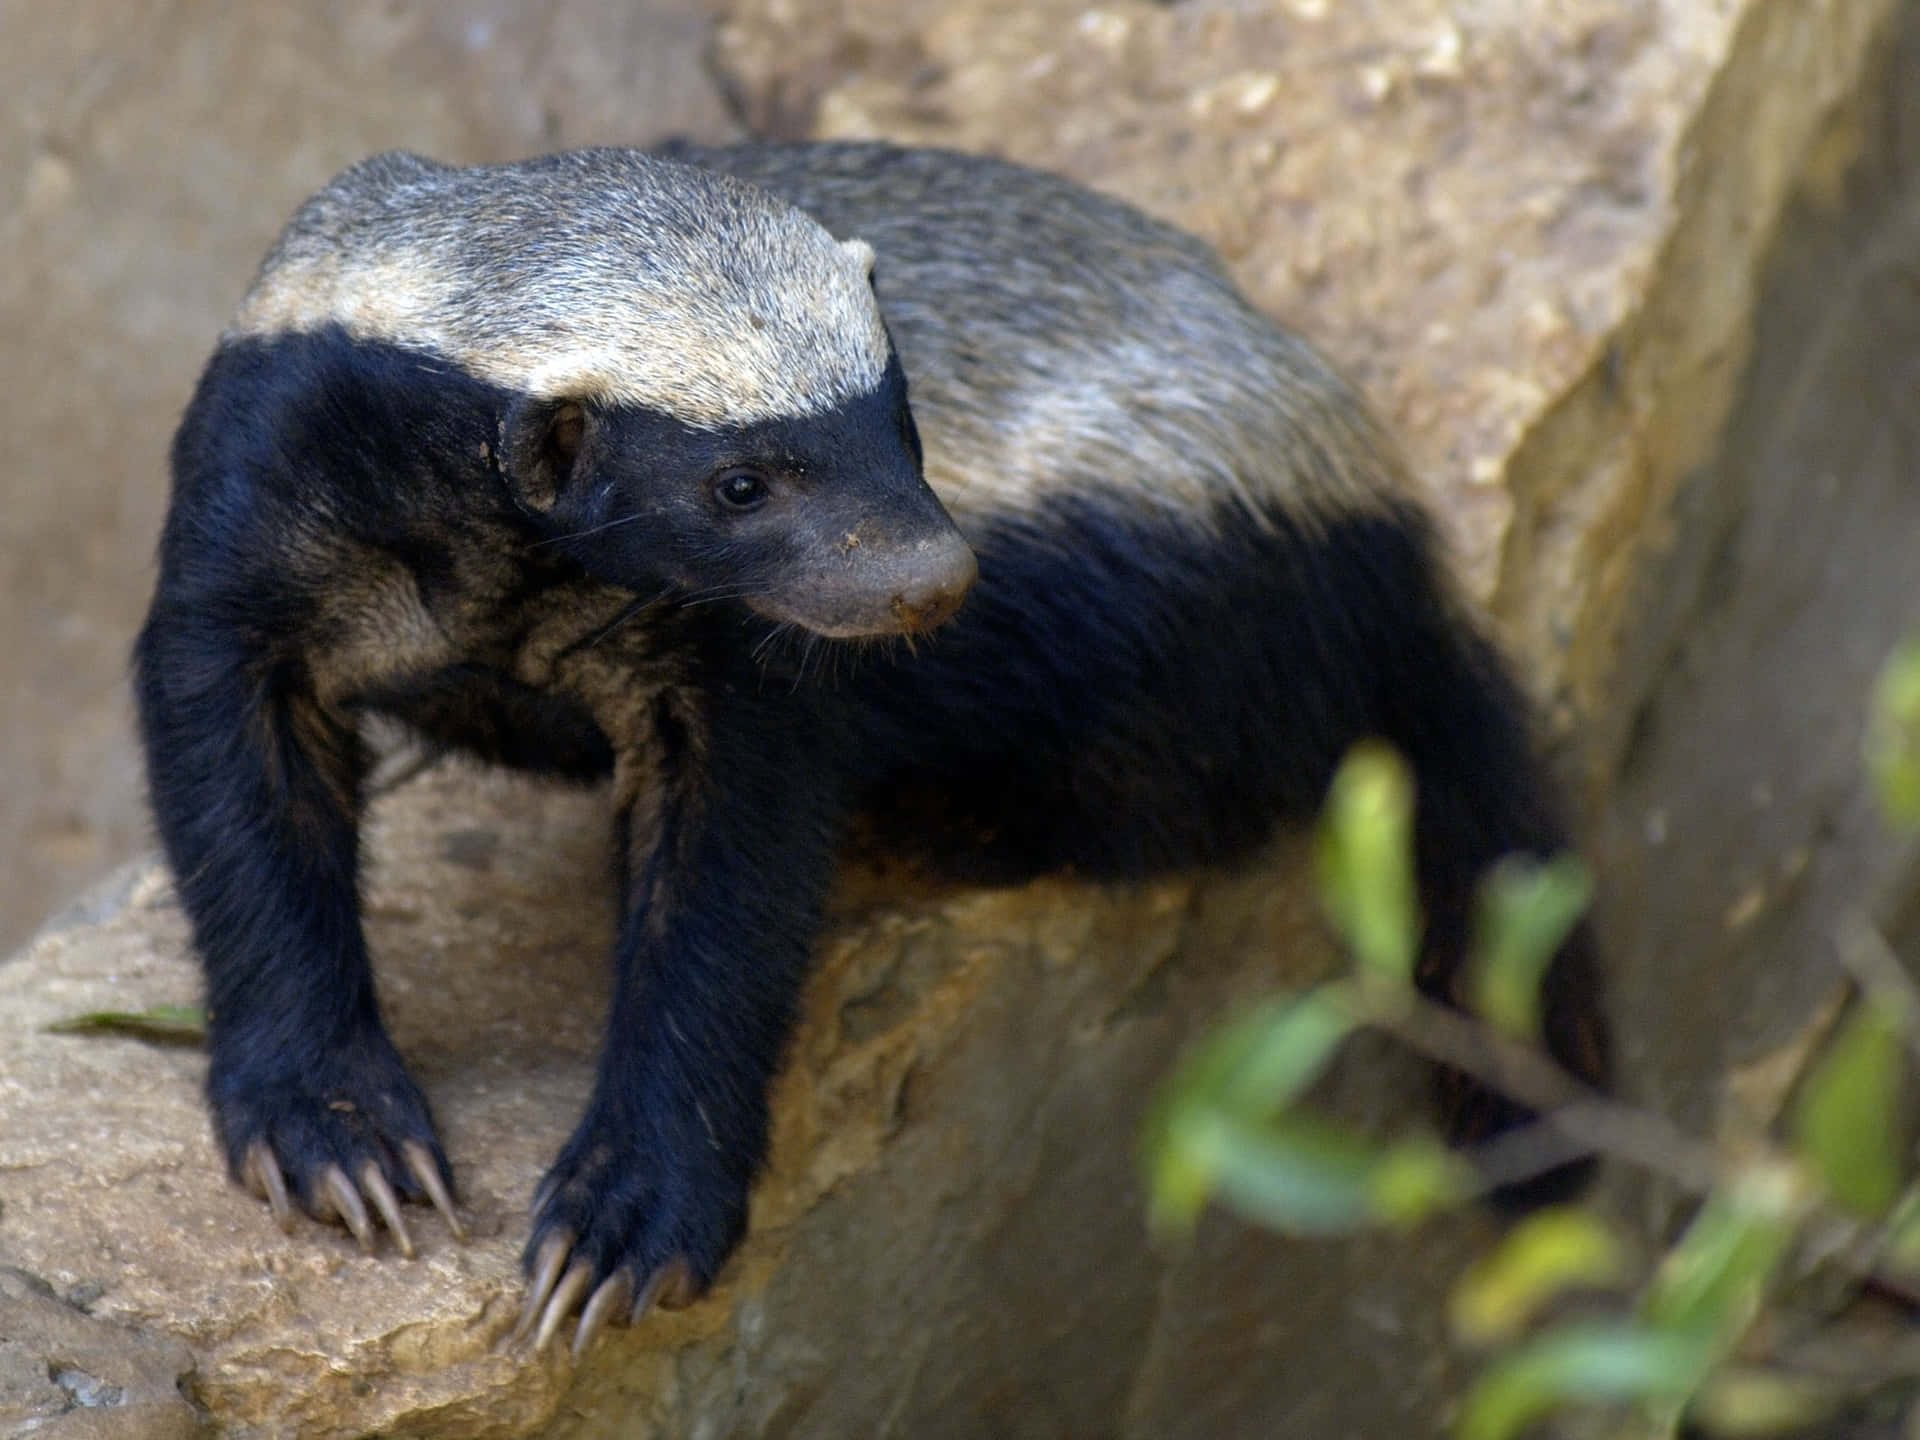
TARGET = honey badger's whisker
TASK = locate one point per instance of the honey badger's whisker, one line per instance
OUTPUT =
(716, 594)
(774, 636)
(583, 534)
(623, 617)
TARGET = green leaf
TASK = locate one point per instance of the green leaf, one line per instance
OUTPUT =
(1545, 1254)
(1301, 1176)
(1365, 858)
(1180, 1181)
(1893, 736)
(1527, 909)
(1417, 1177)
(1247, 1071)
(1763, 1402)
(1304, 1176)
(1902, 1248)
(164, 1024)
(1284, 1049)
(1220, 1127)
(1601, 1362)
(1712, 1282)
(1846, 1119)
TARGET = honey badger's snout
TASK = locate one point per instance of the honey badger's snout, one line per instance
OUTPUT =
(896, 568)
(854, 543)
(901, 568)
(939, 573)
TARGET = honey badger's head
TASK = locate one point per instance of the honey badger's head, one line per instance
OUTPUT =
(821, 519)
(703, 394)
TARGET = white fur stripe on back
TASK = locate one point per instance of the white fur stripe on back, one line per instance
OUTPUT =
(601, 275)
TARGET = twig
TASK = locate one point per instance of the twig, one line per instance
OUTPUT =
(1867, 957)
(1580, 1114)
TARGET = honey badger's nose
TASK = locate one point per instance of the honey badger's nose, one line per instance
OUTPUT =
(941, 577)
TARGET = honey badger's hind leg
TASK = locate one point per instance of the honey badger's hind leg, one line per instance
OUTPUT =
(255, 791)
(1126, 693)
(1450, 706)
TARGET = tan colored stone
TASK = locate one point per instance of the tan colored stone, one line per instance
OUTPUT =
(953, 1142)
(1740, 838)
(67, 1376)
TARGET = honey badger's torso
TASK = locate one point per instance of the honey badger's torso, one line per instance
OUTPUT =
(561, 462)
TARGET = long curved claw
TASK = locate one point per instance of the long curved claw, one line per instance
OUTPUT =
(670, 1287)
(426, 1171)
(567, 1294)
(374, 1183)
(264, 1178)
(542, 1193)
(337, 1191)
(676, 1288)
(611, 1301)
(546, 1273)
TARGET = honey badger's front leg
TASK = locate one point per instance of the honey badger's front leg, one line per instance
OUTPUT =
(728, 818)
(255, 785)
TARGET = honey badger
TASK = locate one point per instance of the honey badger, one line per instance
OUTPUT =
(603, 464)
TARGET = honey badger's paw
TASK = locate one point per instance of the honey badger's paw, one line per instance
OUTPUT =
(631, 1216)
(335, 1132)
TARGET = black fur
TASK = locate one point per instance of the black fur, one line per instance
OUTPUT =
(1125, 691)
(1071, 718)
(287, 454)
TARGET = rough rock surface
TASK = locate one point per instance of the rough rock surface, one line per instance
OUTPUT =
(949, 1236)
(70, 1375)
(1739, 828)
(1536, 241)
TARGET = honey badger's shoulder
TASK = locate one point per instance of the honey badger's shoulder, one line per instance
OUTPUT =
(596, 274)
(1061, 340)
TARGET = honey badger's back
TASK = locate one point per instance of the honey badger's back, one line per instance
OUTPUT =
(592, 274)
(1202, 576)
(1059, 340)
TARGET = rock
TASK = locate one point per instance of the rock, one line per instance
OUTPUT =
(1740, 832)
(1533, 236)
(949, 1232)
(67, 1376)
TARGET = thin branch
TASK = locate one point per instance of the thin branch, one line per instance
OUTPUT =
(1870, 960)
(1583, 1116)
(1576, 1120)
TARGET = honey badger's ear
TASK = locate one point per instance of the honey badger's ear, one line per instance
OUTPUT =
(540, 444)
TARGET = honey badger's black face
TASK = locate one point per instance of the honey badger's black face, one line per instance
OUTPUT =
(822, 521)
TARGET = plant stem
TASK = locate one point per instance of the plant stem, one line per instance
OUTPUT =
(1575, 1119)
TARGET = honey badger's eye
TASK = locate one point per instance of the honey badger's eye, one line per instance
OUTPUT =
(740, 489)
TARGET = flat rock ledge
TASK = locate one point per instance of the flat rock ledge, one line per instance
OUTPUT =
(949, 1235)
